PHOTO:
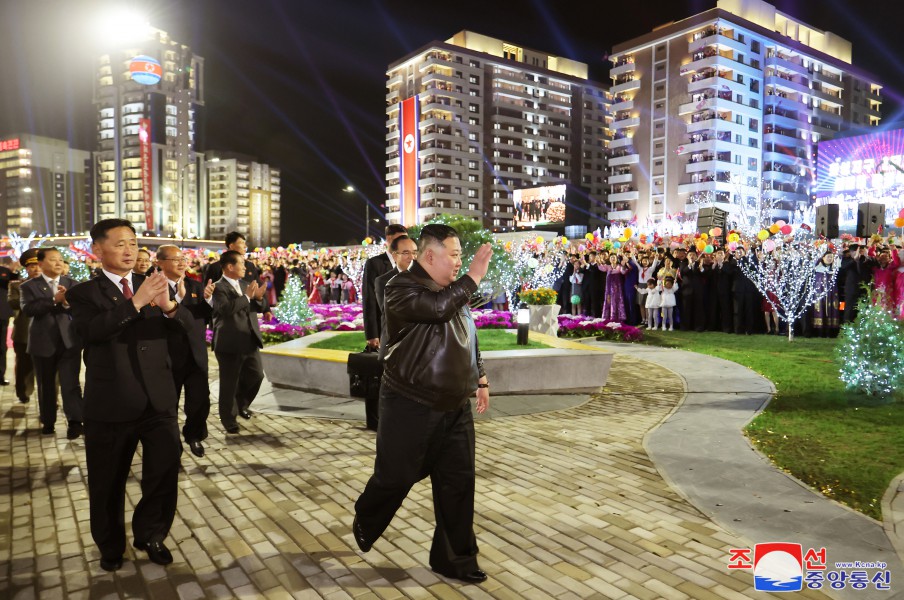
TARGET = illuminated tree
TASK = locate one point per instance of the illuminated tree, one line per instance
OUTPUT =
(293, 306)
(788, 273)
(870, 351)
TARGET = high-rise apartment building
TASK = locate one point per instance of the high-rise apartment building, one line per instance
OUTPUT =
(150, 161)
(495, 117)
(726, 107)
(44, 186)
(243, 196)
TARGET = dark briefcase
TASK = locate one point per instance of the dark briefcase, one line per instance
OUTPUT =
(364, 373)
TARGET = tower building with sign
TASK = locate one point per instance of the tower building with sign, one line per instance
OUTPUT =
(149, 163)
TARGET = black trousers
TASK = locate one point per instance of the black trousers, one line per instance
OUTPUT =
(4, 326)
(25, 371)
(109, 449)
(66, 364)
(193, 378)
(241, 376)
(413, 442)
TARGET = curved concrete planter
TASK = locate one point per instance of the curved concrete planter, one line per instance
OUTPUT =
(549, 370)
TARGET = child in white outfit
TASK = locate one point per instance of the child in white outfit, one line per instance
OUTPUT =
(667, 301)
(653, 300)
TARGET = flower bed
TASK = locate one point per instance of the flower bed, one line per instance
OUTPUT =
(349, 317)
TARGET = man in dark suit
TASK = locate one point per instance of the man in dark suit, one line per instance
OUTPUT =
(188, 349)
(124, 320)
(403, 250)
(53, 345)
(24, 368)
(234, 241)
(373, 268)
(856, 269)
(237, 339)
(6, 313)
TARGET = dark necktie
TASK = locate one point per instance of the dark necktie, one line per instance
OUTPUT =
(126, 290)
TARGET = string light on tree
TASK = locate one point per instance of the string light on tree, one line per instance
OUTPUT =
(786, 269)
(870, 351)
(293, 306)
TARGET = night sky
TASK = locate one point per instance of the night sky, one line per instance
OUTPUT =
(301, 84)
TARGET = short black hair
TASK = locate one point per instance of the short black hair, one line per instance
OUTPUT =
(395, 228)
(231, 257)
(42, 252)
(395, 243)
(435, 233)
(145, 250)
(100, 229)
(232, 237)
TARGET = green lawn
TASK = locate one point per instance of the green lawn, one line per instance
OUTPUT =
(848, 446)
(489, 339)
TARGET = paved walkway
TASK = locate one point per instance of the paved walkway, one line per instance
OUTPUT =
(569, 505)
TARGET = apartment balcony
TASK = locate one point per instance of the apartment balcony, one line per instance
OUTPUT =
(784, 139)
(785, 103)
(874, 112)
(827, 97)
(828, 79)
(620, 215)
(796, 197)
(435, 62)
(394, 80)
(715, 82)
(782, 177)
(624, 196)
(620, 142)
(703, 165)
(785, 159)
(629, 159)
(875, 96)
(393, 162)
(782, 121)
(705, 186)
(392, 135)
(627, 86)
(625, 123)
(788, 65)
(625, 178)
(786, 84)
(720, 64)
(716, 40)
(627, 67)
(617, 107)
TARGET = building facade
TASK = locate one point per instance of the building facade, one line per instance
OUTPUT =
(45, 186)
(243, 196)
(149, 160)
(725, 108)
(495, 117)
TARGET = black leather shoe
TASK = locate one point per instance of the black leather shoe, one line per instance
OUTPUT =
(358, 532)
(476, 576)
(111, 564)
(74, 430)
(23, 399)
(197, 448)
(231, 427)
(48, 430)
(245, 413)
(4, 382)
(157, 552)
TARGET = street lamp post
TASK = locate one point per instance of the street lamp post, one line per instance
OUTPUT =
(350, 189)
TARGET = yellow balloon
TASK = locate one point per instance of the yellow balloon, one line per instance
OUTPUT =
(564, 240)
(763, 234)
(622, 239)
(734, 237)
(628, 233)
(704, 237)
(539, 239)
(589, 237)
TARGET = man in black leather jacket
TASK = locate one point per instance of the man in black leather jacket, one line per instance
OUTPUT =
(432, 368)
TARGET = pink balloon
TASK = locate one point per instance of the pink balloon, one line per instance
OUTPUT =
(732, 246)
(780, 223)
(674, 245)
(768, 245)
(901, 213)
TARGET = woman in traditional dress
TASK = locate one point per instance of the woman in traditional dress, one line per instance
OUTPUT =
(614, 299)
(826, 313)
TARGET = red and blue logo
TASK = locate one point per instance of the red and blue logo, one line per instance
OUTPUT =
(145, 70)
(778, 567)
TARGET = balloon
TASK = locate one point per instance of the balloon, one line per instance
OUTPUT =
(674, 245)
(575, 299)
(589, 237)
(769, 245)
(734, 237)
(763, 234)
(508, 246)
(643, 238)
(715, 231)
(616, 245)
(704, 237)
(780, 223)
(899, 222)
(533, 263)
(623, 239)
(701, 245)
(564, 240)
(708, 249)
(628, 233)
(901, 214)
(774, 228)
(732, 246)
(786, 229)
(582, 248)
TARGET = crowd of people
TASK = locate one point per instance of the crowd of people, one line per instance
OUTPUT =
(675, 286)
